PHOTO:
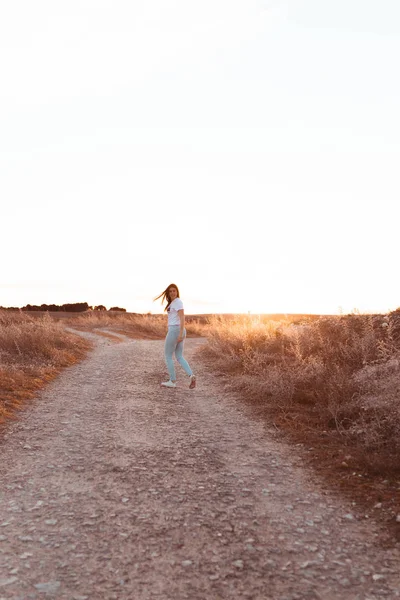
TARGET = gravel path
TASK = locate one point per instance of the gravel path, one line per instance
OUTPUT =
(113, 488)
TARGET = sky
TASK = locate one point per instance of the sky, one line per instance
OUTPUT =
(245, 150)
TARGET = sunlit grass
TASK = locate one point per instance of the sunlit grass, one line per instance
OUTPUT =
(32, 351)
(331, 376)
(133, 325)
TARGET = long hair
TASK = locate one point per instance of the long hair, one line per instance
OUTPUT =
(165, 295)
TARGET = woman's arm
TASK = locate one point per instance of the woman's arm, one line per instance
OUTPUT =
(182, 324)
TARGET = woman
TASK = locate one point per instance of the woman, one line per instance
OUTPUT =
(176, 335)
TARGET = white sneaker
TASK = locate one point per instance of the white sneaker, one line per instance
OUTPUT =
(169, 383)
(192, 383)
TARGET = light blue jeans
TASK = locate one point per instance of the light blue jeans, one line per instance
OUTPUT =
(172, 346)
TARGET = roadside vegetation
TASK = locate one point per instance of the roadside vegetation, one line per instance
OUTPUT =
(322, 380)
(134, 325)
(33, 350)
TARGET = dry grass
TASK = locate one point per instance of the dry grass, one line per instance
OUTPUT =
(32, 352)
(136, 326)
(331, 385)
(333, 377)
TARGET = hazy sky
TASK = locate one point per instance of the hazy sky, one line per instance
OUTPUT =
(247, 151)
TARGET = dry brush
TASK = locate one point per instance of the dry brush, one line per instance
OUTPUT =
(32, 351)
(331, 376)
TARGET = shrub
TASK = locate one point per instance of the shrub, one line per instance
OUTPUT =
(334, 373)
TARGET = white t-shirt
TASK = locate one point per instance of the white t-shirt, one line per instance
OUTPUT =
(173, 317)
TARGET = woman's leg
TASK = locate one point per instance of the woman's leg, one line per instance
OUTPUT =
(179, 357)
(169, 349)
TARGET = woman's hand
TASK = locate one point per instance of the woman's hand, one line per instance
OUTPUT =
(182, 327)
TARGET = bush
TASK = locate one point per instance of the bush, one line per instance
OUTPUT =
(32, 351)
(336, 374)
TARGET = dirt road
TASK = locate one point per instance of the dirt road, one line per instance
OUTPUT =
(113, 488)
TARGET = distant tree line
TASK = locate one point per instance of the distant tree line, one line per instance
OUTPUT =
(75, 307)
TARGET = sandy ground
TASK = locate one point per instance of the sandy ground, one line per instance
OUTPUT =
(113, 488)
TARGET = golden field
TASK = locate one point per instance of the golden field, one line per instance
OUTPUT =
(33, 350)
(331, 386)
(335, 377)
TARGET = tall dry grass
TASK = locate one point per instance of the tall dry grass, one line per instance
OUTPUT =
(333, 375)
(133, 325)
(32, 351)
